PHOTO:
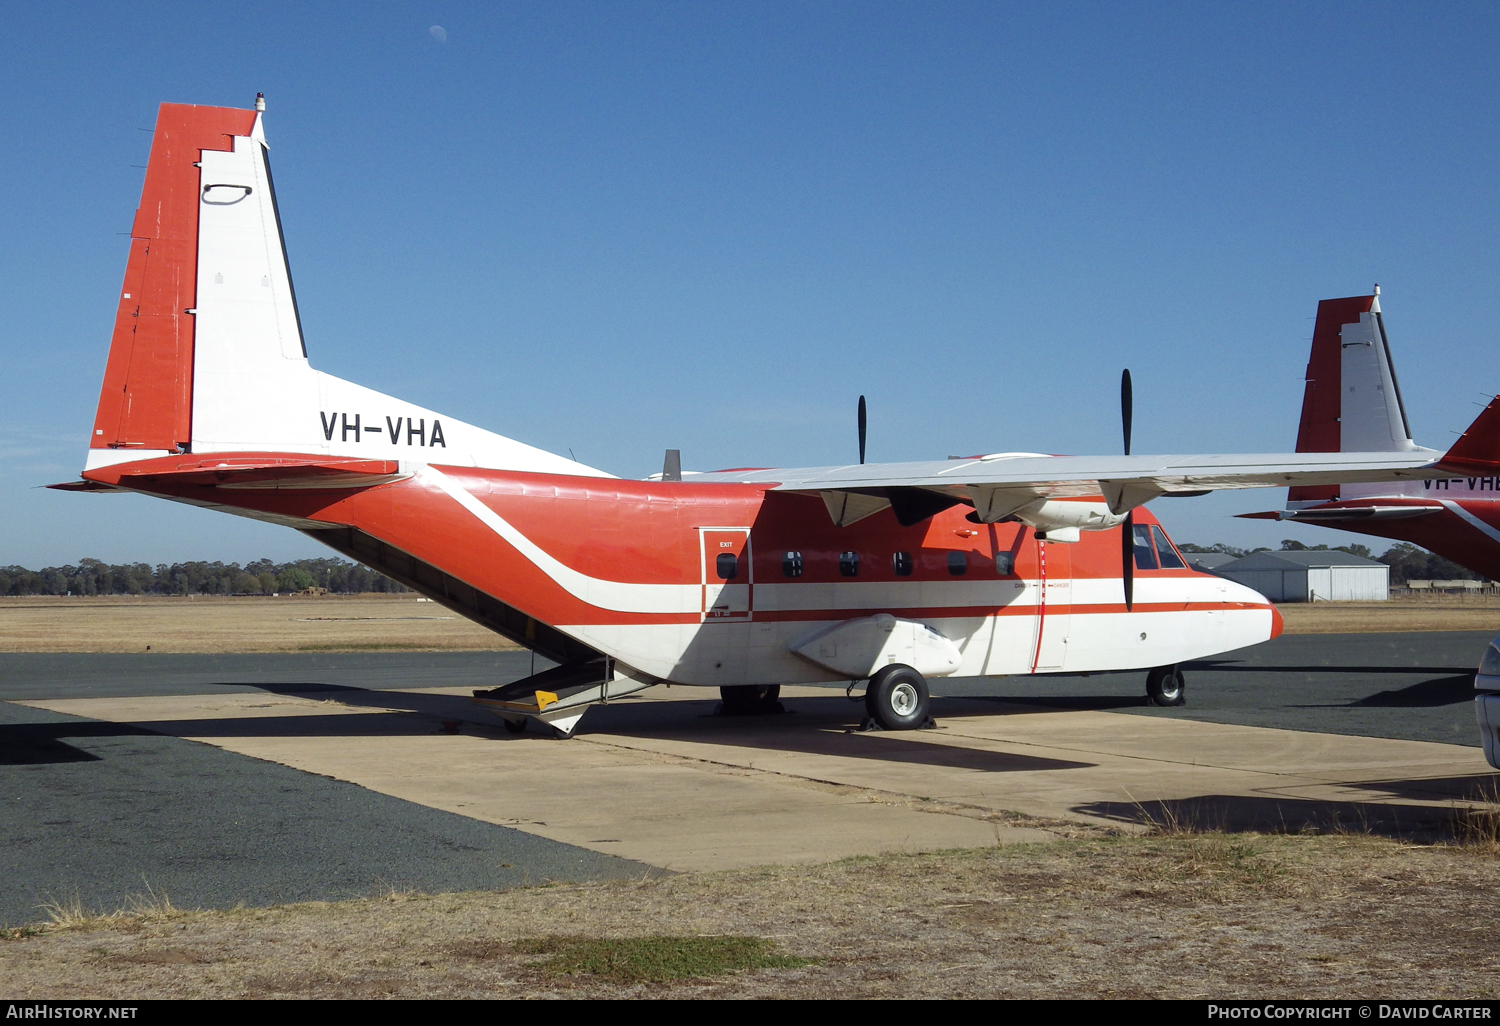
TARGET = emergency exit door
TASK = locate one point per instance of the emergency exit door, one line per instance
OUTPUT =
(727, 584)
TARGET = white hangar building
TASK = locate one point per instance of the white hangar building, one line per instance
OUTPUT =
(1311, 575)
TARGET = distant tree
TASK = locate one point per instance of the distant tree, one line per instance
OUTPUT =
(95, 577)
(1228, 550)
(1410, 563)
(295, 578)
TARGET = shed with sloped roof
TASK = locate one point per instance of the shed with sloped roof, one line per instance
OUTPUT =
(1311, 575)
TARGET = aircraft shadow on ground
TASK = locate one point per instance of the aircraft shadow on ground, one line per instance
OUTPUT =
(1052, 703)
(35, 744)
(1441, 691)
(663, 721)
(1474, 787)
(1224, 665)
(812, 728)
(1241, 814)
(1421, 695)
(444, 706)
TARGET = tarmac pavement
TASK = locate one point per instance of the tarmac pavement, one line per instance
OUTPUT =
(269, 778)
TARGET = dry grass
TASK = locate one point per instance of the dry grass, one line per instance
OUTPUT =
(332, 623)
(1402, 613)
(70, 913)
(1188, 916)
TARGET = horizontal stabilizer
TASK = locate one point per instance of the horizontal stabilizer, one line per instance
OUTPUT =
(1326, 514)
(252, 472)
(86, 486)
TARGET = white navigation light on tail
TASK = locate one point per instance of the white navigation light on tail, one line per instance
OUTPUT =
(1352, 404)
(1008, 563)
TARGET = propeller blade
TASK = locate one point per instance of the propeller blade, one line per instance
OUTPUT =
(861, 429)
(1127, 529)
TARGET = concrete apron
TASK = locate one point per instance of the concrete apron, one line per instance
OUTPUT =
(658, 778)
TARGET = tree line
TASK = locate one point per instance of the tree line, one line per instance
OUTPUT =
(1407, 561)
(261, 577)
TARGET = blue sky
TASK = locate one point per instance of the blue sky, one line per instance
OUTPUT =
(617, 228)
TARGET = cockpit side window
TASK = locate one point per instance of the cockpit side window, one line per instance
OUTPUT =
(1145, 555)
(1170, 560)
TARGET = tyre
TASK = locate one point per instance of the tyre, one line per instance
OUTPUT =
(515, 726)
(750, 699)
(897, 698)
(1165, 685)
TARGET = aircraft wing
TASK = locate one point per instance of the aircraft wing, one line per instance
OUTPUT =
(999, 484)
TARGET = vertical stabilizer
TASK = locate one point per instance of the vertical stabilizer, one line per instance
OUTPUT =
(207, 354)
(1351, 402)
(145, 403)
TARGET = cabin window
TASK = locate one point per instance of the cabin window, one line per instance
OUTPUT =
(1145, 555)
(791, 564)
(901, 563)
(1005, 563)
(727, 566)
(958, 564)
(1170, 560)
(849, 564)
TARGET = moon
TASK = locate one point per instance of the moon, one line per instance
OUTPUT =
(439, 33)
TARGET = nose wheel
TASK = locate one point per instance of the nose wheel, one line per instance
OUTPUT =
(1166, 686)
(897, 699)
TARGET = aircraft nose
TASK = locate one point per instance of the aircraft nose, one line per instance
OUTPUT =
(1276, 622)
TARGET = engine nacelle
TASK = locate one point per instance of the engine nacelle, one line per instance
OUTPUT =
(1062, 519)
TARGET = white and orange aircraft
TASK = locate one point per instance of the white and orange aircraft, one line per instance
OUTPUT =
(1007, 563)
(1352, 403)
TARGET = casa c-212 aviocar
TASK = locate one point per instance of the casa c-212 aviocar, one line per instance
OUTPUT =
(1001, 564)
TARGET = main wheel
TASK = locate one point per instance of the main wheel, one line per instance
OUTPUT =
(749, 699)
(897, 698)
(1165, 685)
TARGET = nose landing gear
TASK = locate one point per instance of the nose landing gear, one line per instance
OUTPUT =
(1166, 686)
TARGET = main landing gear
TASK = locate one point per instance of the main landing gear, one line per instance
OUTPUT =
(1166, 686)
(897, 699)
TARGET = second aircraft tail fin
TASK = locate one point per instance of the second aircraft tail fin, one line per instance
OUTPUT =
(1352, 402)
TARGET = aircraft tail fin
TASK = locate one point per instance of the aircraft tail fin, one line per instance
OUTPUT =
(207, 354)
(1352, 401)
(146, 400)
(1477, 450)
